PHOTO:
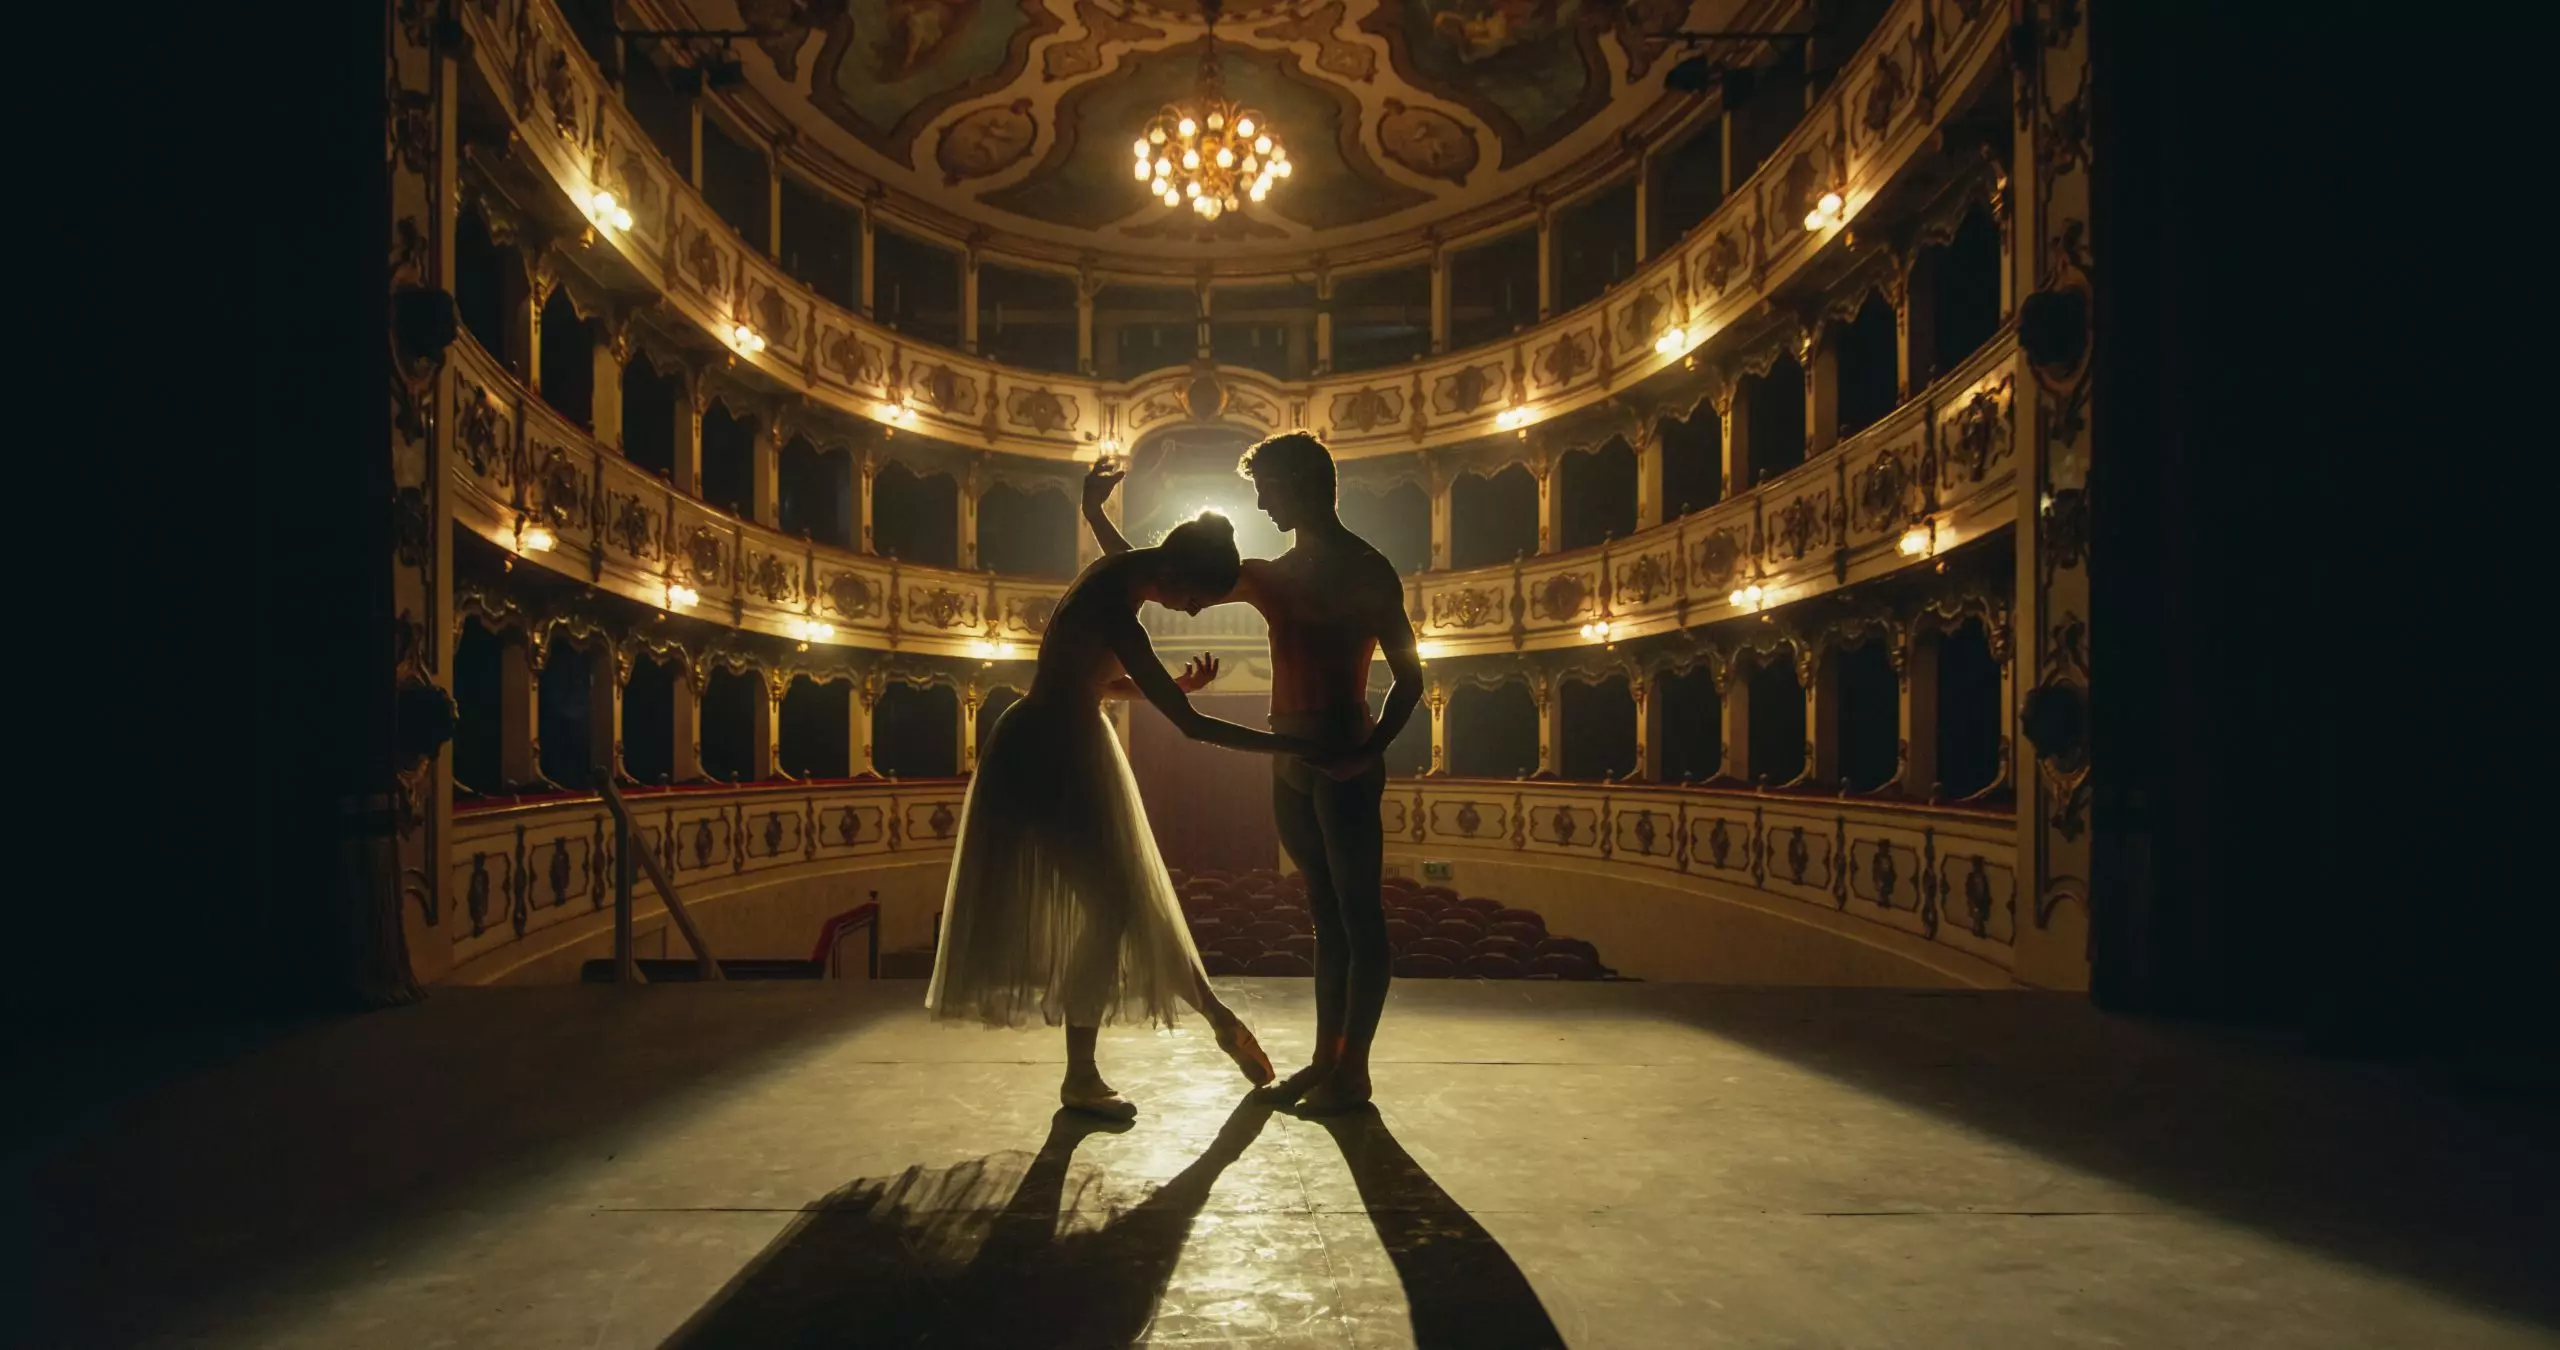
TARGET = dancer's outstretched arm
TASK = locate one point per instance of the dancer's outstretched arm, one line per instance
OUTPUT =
(1138, 657)
(1098, 484)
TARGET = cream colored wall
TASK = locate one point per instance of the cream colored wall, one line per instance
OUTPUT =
(754, 918)
(1679, 928)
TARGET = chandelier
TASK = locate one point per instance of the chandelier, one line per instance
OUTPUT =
(1210, 151)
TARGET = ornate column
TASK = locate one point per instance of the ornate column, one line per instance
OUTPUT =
(608, 672)
(1818, 674)
(1819, 356)
(684, 697)
(1550, 501)
(1647, 689)
(693, 150)
(773, 199)
(524, 326)
(612, 348)
(1550, 701)
(869, 257)
(1644, 201)
(866, 468)
(1646, 440)
(971, 484)
(1324, 319)
(1086, 288)
(1915, 659)
(2050, 416)
(764, 471)
(1733, 707)
(1440, 482)
(970, 701)
(1546, 258)
(685, 470)
(861, 694)
(1733, 419)
(1914, 328)
(1436, 698)
(969, 296)
(519, 711)
(764, 749)
(1439, 297)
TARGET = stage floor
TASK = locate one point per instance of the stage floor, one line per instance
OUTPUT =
(1586, 1165)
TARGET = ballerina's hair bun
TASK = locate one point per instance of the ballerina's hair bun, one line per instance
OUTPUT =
(1203, 551)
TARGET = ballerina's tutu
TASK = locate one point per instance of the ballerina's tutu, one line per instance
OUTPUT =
(1059, 908)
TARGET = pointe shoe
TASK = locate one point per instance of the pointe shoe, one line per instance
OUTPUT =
(1236, 1039)
(1288, 1090)
(1107, 1104)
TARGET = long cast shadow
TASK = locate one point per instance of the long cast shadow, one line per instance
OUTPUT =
(1464, 1292)
(930, 1257)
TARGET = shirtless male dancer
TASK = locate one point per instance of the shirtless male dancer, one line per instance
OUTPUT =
(1332, 602)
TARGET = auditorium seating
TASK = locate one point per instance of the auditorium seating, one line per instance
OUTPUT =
(1256, 922)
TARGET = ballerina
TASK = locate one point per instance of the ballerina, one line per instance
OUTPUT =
(1059, 905)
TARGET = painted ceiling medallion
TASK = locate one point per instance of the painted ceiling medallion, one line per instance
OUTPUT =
(1427, 141)
(986, 141)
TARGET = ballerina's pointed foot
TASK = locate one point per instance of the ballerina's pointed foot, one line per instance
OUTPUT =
(1097, 1099)
(1335, 1094)
(1236, 1039)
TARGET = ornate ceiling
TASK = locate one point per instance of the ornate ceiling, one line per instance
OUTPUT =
(1017, 115)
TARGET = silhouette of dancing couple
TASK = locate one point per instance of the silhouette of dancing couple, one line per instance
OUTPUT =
(1059, 905)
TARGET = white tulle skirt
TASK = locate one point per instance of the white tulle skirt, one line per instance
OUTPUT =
(1059, 909)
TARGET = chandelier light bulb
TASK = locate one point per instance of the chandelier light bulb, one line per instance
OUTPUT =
(1190, 159)
(1172, 198)
(1164, 166)
(1226, 158)
(1244, 127)
(1144, 148)
(1217, 119)
(1145, 171)
(1155, 135)
(1261, 144)
(1186, 128)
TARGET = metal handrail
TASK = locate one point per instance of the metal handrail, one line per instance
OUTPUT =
(626, 967)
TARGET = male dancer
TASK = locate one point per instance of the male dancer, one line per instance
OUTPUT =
(1332, 602)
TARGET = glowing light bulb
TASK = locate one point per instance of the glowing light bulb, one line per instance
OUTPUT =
(1164, 167)
(1143, 148)
(1145, 171)
(537, 539)
(1172, 198)
(1155, 135)
(1671, 341)
(1187, 128)
(1190, 159)
(1216, 119)
(1914, 541)
(1813, 220)
(681, 596)
(1260, 191)
(1261, 144)
(1226, 158)
(1191, 190)
(1279, 166)
(1829, 204)
(1244, 127)
(1426, 650)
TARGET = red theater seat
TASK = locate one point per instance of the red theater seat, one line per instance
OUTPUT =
(1423, 967)
(1416, 917)
(1488, 966)
(1569, 946)
(1304, 944)
(1280, 963)
(1238, 949)
(1400, 934)
(1520, 931)
(1527, 916)
(1503, 946)
(1457, 930)
(1219, 963)
(1235, 919)
(1482, 906)
(1440, 893)
(1268, 932)
(1446, 950)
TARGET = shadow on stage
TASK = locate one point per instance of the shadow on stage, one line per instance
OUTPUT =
(1025, 1250)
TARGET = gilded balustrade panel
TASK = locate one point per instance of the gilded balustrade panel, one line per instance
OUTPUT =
(1887, 468)
(1877, 115)
(1975, 429)
(631, 507)
(487, 465)
(1561, 590)
(702, 553)
(559, 478)
(1943, 876)
(523, 869)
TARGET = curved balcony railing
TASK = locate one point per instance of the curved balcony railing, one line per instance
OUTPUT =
(524, 871)
(518, 464)
(1936, 473)
(1878, 114)
(1937, 883)
(1937, 879)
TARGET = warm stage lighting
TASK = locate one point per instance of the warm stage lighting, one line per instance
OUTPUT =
(1672, 342)
(1826, 211)
(745, 338)
(681, 596)
(1749, 597)
(1919, 539)
(607, 211)
(1426, 650)
(535, 539)
(1600, 631)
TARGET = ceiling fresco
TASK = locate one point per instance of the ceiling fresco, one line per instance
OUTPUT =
(1018, 114)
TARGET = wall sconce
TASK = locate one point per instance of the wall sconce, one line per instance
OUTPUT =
(681, 596)
(808, 631)
(1510, 419)
(607, 211)
(897, 414)
(1426, 650)
(534, 537)
(1826, 212)
(746, 339)
(1920, 539)
(985, 650)
(1749, 597)
(1600, 631)
(1674, 340)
